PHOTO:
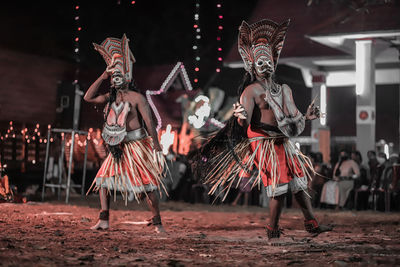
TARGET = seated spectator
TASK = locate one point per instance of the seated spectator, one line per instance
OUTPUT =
(375, 168)
(336, 192)
(8, 192)
(394, 187)
(5, 191)
(386, 181)
(377, 183)
(362, 184)
(319, 179)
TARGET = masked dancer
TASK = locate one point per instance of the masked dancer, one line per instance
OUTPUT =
(256, 139)
(135, 163)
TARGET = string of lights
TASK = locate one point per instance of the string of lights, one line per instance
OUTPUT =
(12, 133)
(179, 68)
(35, 135)
(78, 30)
(220, 28)
(196, 45)
(132, 2)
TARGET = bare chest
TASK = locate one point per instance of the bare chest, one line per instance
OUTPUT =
(346, 169)
(267, 115)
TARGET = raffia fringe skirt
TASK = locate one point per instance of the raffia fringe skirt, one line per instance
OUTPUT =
(272, 160)
(136, 172)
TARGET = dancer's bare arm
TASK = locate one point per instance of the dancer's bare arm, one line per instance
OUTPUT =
(91, 95)
(335, 178)
(290, 108)
(145, 111)
(244, 110)
(356, 169)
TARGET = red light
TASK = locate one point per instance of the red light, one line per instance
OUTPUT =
(195, 26)
(76, 39)
(76, 7)
(220, 17)
(219, 5)
(133, 2)
(363, 115)
(79, 28)
(220, 27)
(196, 69)
(218, 38)
(219, 49)
(218, 70)
(220, 59)
(195, 80)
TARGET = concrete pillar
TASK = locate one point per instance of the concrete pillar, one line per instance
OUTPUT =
(77, 107)
(319, 94)
(365, 90)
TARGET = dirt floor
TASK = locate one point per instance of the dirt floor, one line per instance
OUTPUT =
(55, 234)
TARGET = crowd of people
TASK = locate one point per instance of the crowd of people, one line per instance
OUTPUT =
(350, 184)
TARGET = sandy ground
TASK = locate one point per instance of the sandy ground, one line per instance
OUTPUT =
(55, 234)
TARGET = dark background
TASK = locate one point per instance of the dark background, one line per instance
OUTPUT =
(162, 33)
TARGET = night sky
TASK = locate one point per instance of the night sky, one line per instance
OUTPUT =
(161, 32)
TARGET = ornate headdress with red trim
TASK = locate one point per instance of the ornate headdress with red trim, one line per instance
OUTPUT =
(265, 34)
(117, 55)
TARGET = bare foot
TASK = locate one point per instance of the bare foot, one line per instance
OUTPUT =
(101, 225)
(159, 229)
(321, 229)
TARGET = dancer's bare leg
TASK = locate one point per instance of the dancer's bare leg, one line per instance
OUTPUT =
(234, 203)
(152, 202)
(103, 222)
(246, 199)
(304, 202)
(275, 210)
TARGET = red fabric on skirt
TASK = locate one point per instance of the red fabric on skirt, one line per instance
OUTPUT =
(136, 163)
(286, 170)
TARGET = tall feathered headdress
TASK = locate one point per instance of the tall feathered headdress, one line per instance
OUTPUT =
(264, 31)
(117, 55)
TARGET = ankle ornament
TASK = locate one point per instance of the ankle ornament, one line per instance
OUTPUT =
(274, 232)
(104, 215)
(156, 220)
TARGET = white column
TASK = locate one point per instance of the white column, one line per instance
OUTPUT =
(77, 107)
(319, 94)
(365, 90)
